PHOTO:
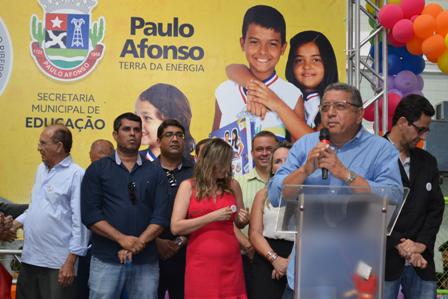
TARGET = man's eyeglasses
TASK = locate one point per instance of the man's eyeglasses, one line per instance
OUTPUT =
(171, 178)
(420, 130)
(132, 188)
(179, 135)
(339, 106)
(260, 149)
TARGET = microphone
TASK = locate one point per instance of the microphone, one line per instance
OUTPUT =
(324, 137)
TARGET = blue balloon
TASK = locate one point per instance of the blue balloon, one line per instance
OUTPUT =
(414, 63)
(402, 52)
(394, 64)
(393, 50)
(390, 50)
(372, 51)
(399, 59)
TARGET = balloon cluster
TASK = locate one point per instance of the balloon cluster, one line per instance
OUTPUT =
(404, 78)
(414, 30)
(422, 29)
(404, 83)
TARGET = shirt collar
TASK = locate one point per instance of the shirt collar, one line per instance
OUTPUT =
(358, 136)
(186, 163)
(268, 81)
(64, 162)
(253, 175)
(149, 155)
(390, 140)
(406, 161)
(118, 160)
(178, 168)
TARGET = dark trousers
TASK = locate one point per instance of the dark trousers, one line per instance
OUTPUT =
(82, 288)
(172, 276)
(247, 269)
(263, 286)
(42, 283)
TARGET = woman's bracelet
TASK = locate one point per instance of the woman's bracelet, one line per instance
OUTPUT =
(271, 256)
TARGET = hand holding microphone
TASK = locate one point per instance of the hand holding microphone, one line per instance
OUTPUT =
(329, 161)
(316, 155)
(324, 137)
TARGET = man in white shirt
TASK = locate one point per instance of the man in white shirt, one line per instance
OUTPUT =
(54, 234)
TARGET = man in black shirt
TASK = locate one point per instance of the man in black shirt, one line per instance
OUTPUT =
(177, 168)
(123, 203)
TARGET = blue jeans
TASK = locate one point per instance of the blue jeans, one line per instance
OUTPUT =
(413, 287)
(288, 293)
(107, 280)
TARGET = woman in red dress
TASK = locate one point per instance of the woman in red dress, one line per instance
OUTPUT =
(206, 208)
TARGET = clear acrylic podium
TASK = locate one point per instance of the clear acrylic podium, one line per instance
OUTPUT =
(341, 238)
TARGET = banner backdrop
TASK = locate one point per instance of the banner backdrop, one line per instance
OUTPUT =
(82, 63)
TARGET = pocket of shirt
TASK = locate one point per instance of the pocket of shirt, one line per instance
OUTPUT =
(57, 195)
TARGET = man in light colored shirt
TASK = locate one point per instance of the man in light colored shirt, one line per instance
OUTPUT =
(262, 145)
(355, 157)
(54, 234)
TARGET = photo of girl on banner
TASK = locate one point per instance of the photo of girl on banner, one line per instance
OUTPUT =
(311, 67)
(154, 105)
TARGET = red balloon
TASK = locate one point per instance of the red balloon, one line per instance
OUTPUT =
(389, 15)
(392, 41)
(412, 7)
(369, 112)
(393, 99)
(403, 31)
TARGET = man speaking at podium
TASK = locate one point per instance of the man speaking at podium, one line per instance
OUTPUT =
(351, 155)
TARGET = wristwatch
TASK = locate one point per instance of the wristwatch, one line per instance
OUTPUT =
(351, 177)
(179, 241)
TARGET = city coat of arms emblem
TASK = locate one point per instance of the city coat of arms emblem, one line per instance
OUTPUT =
(67, 44)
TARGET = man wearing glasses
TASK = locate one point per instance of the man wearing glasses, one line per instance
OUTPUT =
(123, 203)
(410, 247)
(171, 140)
(353, 156)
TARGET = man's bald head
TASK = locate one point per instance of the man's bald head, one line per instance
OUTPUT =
(100, 148)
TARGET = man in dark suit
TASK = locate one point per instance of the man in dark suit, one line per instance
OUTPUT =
(410, 248)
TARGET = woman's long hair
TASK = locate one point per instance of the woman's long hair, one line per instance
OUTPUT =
(171, 103)
(326, 52)
(215, 156)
